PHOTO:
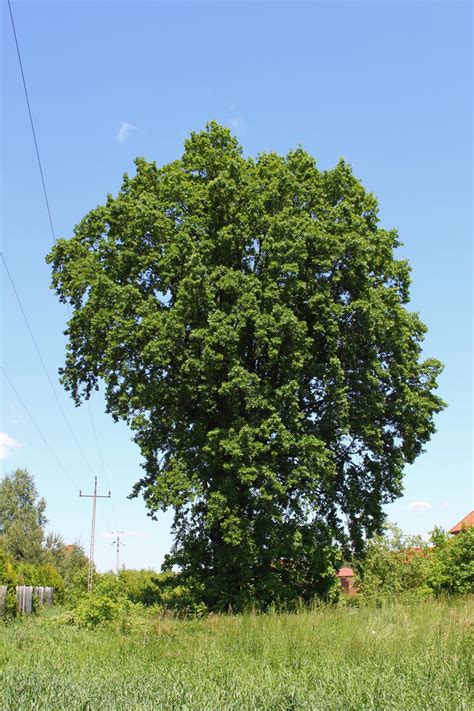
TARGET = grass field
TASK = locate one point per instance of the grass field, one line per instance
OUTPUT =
(400, 657)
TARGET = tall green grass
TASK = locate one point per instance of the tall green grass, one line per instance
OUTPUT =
(398, 657)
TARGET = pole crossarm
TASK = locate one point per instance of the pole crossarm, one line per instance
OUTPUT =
(117, 543)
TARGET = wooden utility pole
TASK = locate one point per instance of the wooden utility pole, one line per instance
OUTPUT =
(94, 498)
(118, 543)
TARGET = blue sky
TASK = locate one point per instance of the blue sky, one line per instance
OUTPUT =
(385, 85)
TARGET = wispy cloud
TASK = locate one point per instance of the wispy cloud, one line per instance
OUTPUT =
(235, 120)
(124, 131)
(419, 506)
(7, 445)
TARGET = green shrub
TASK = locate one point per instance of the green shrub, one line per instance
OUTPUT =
(451, 568)
(108, 585)
(144, 586)
(95, 610)
(394, 565)
(73, 565)
(98, 610)
(8, 577)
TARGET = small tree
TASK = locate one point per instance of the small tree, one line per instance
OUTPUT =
(22, 517)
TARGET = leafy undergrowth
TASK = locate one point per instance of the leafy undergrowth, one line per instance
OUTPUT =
(396, 657)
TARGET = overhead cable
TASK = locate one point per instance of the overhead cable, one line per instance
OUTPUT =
(28, 412)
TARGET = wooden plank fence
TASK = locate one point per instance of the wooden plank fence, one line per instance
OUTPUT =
(25, 595)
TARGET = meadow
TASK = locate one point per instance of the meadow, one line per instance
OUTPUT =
(401, 656)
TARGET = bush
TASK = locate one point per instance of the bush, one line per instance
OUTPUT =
(108, 585)
(94, 610)
(73, 565)
(8, 577)
(144, 586)
(164, 591)
(451, 567)
(394, 564)
(183, 600)
(97, 610)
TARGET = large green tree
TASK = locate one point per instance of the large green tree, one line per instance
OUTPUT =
(248, 319)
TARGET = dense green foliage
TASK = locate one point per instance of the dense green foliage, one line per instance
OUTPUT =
(415, 658)
(43, 576)
(143, 586)
(97, 610)
(8, 577)
(22, 517)
(248, 319)
(27, 555)
(395, 564)
(72, 564)
(164, 592)
(452, 562)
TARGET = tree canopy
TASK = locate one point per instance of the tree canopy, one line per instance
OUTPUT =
(22, 517)
(248, 319)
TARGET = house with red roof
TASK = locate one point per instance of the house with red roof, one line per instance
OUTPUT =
(346, 575)
(465, 522)
(346, 578)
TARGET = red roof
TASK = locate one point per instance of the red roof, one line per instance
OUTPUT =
(466, 522)
(345, 573)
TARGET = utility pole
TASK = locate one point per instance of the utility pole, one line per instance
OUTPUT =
(94, 498)
(118, 543)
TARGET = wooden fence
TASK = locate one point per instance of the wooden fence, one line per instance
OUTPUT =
(25, 595)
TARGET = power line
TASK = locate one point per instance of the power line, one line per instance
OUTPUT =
(104, 471)
(45, 192)
(44, 365)
(58, 461)
(31, 123)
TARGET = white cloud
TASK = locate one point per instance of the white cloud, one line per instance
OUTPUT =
(7, 445)
(124, 131)
(235, 120)
(419, 506)
(445, 505)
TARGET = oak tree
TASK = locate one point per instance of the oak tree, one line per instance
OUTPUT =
(248, 318)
